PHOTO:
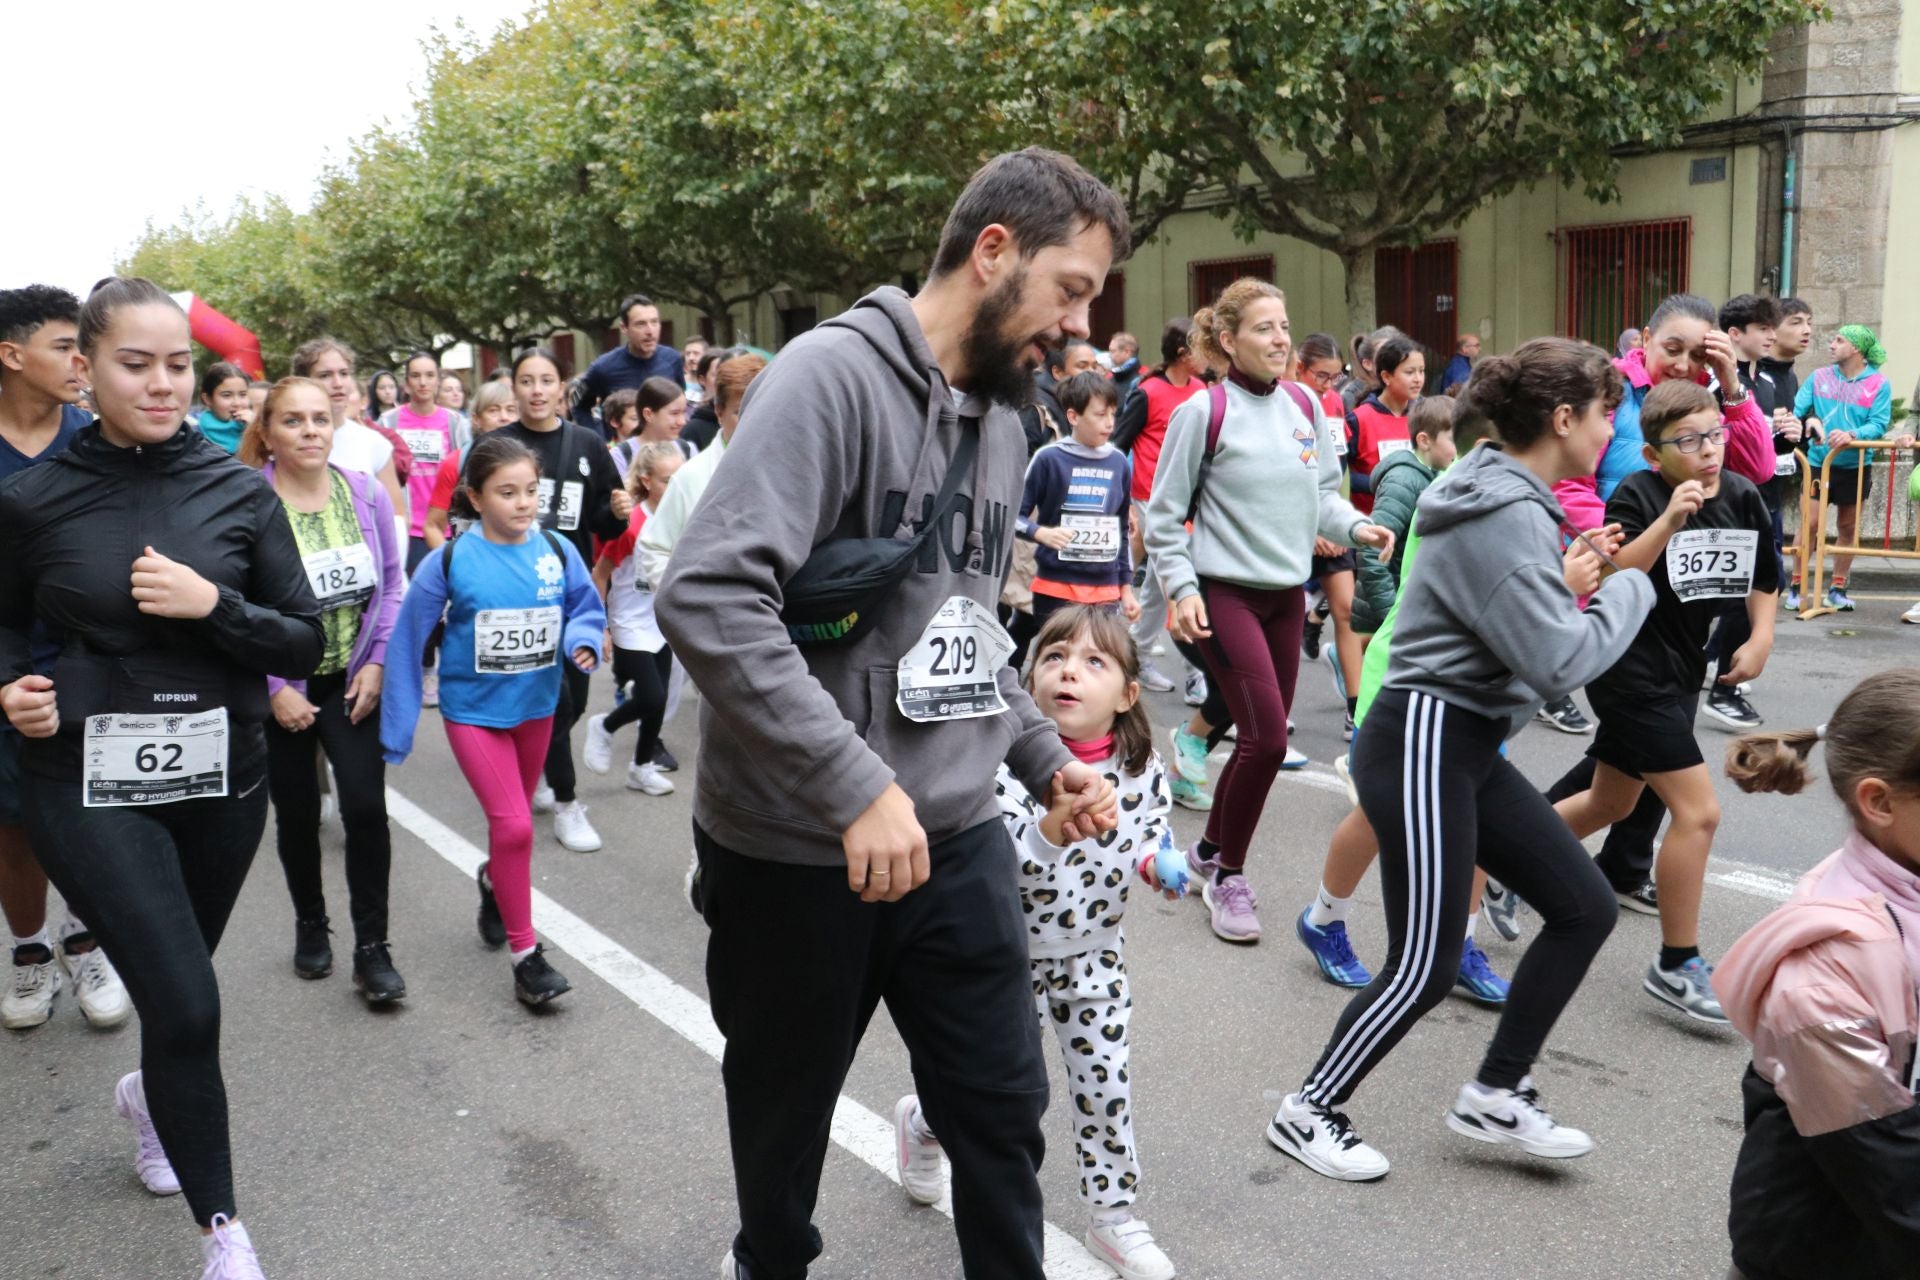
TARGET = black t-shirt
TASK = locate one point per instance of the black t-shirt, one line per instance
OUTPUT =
(1716, 560)
(577, 480)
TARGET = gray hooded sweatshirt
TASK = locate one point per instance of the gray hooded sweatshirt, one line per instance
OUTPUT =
(846, 435)
(1486, 621)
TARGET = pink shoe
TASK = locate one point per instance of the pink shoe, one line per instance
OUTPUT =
(229, 1253)
(1231, 903)
(130, 1100)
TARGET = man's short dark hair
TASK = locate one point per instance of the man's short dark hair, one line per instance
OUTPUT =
(1745, 310)
(1042, 197)
(1057, 357)
(1082, 389)
(628, 303)
(23, 311)
(1794, 307)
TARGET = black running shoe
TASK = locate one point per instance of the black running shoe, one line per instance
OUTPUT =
(1563, 715)
(664, 760)
(1310, 635)
(374, 975)
(1645, 900)
(493, 930)
(1726, 705)
(312, 953)
(535, 981)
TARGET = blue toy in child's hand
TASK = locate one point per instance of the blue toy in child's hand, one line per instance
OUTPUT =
(1165, 869)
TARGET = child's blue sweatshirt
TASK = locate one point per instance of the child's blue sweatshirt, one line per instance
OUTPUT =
(530, 607)
(1085, 490)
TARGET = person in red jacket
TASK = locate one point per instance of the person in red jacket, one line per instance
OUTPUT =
(1377, 427)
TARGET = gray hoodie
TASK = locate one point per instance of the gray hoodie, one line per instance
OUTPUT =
(1486, 621)
(847, 434)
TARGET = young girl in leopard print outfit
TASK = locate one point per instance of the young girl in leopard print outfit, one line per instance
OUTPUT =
(1085, 675)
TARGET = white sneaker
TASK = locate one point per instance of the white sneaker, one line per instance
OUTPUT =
(571, 828)
(648, 778)
(150, 1162)
(1344, 771)
(922, 1174)
(30, 1002)
(229, 1253)
(1912, 615)
(1514, 1117)
(597, 752)
(329, 793)
(103, 999)
(430, 687)
(1127, 1246)
(1154, 680)
(1324, 1140)
(542, 796)
(1296, 759)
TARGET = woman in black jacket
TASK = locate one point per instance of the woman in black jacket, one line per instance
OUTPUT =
(168, 575)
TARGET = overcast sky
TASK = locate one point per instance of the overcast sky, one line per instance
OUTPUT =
(123, 112)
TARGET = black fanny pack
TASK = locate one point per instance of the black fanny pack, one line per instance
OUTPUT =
(835, 597)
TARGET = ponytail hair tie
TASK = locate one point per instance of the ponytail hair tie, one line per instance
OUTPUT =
(1820, 733)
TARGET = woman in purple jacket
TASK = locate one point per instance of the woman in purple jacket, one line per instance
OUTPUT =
(343, 523)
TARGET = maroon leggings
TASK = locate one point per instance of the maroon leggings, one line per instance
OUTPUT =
(1253, 658)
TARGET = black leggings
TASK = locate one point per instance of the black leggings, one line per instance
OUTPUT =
(1214, 710)
(156, 884)
(645, 675)
(360, 778)
(1440, 797)
(573, 704)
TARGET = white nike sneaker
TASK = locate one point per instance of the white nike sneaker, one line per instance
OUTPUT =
(150, 1161)
(571, 828)
(543, 801)
(1324, 1140)
(103, 999)
(1514, 1117)
(229, 1253)
(648, 779)
(922, 1174)
(597, 751)
(29, 1002)
(1127, 1246)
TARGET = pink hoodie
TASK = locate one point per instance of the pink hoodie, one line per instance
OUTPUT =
(1827, 988)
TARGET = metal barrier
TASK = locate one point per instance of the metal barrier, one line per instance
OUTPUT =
(1814, 561)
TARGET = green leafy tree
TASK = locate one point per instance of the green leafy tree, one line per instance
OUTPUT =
(1361, 126)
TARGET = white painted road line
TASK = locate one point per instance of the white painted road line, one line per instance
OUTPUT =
(856, 1129)
(1741, 877)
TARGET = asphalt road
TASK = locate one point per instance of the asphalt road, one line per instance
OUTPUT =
(461, 1136)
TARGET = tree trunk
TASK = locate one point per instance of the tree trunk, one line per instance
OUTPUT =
(1358, 264)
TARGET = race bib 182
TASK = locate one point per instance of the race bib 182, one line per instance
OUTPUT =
(340, 576)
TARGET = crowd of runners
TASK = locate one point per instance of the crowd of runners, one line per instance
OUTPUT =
(920, 570)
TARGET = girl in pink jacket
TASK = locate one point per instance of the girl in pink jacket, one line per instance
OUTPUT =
(1828, 1180)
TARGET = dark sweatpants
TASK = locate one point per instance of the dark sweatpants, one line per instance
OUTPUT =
(1441, 797)
(796, 965)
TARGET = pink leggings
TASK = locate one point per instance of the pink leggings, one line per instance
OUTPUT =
(501, 766)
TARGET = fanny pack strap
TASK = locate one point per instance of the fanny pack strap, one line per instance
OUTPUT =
(957, 471)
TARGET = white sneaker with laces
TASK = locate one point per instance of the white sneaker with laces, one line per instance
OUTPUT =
(1127, 1246)
(597, 752)
(542, 796)
(648, 778)
(1912, 615)
(150, 1162)
(30, 1000)
(1154, 680)
(923, 1176)
(1324, 1140)
(102, 996)
(229, 1253)
(571, 828)
(1514, 1117)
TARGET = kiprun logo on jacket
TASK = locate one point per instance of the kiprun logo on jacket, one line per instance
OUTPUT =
(948, 546)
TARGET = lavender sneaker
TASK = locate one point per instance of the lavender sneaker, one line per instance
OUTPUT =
(1198, 868)
(1231, 903)
(130, 1100)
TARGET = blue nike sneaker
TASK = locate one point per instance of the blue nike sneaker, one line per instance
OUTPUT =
(1332, 951)
(1477, 981)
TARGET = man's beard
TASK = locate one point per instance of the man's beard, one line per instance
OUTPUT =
(992, 357)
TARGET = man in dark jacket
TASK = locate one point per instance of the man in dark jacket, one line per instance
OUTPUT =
(849, 840)
(640, 357)
(1044, 421)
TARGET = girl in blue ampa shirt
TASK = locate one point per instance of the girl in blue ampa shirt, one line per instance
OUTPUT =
(516, 598)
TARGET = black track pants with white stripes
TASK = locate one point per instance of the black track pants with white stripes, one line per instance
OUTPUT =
(1441, 797)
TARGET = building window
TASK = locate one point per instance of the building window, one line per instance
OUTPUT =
(1612, 277)
(1205, 280)
(1108, 315)
(561, 342)
(795, 321)
(1415, 291)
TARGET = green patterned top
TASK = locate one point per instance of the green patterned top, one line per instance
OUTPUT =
(343, 584)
